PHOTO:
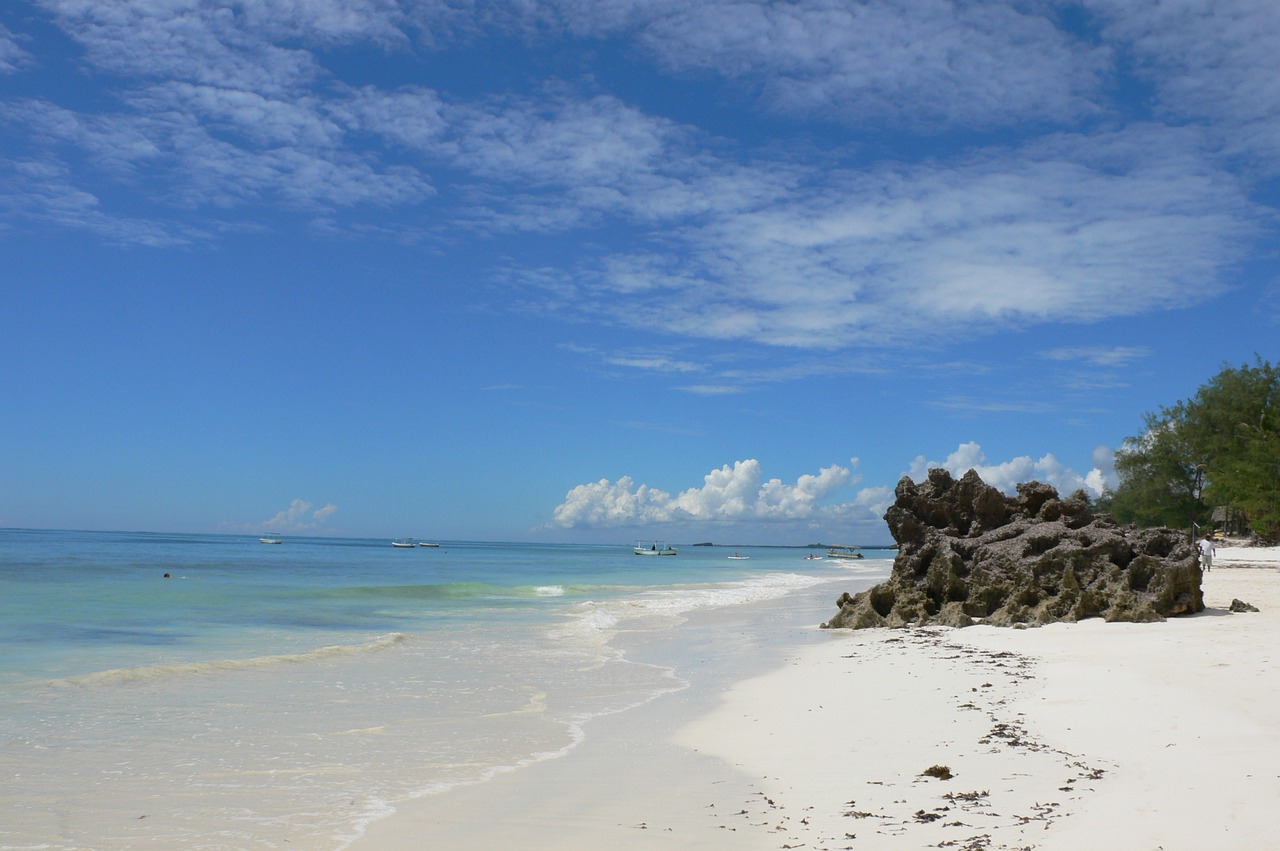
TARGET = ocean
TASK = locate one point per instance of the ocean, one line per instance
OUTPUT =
(214, 692)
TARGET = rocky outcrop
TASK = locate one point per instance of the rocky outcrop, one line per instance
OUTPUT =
(967, 553)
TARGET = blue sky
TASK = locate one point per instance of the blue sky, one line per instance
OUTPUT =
(557, 270)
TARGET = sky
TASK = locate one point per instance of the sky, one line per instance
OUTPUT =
(571, 271)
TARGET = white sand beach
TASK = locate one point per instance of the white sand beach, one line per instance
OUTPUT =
(1154, 736)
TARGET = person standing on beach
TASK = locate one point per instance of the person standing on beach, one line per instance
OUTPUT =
(1207, 549)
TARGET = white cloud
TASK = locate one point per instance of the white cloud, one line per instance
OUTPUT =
(919, 62)
(653, 362)
(875, 500)
(299, 517)
(43, 192)
(1102, 356)
(1007, 475)
(181, 40)
(721, 242)
(712, 389)
(606, 503)
(12, 56)
(560, 140)
(411, 117)
(258, 45)
(169, 148)
(1210, 60)
(737, 493)
(728, 494)
(1077, 228)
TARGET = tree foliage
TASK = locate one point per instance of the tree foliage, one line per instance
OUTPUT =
(1221, 447)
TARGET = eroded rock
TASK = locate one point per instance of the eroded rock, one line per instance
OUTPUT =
(968, 553)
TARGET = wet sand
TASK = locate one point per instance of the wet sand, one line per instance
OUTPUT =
(1067, 736)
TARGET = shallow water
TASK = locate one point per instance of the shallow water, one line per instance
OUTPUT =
(271, 696)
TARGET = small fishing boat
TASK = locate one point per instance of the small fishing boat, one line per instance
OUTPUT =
(739, 556)
(404, 543)
(269, 540)
(844, 552)
(425, 544)
(656, 548)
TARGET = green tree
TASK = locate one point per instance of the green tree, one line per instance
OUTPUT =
(1237, 415)
(1161, 482)
(1219, 448)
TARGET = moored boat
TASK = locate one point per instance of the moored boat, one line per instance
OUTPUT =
(844, 552)
(656, 548)
(404, 543)
(270, 540)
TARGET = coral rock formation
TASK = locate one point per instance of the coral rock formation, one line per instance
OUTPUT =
(967, 553)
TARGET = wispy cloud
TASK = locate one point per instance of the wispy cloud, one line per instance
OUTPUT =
(1075, 228)
(43, 193)
(219, 112)
(971, 404)
(654, 363)
(712, 389)
(1104, 356)
(916, 62)
(665, 428)
(12, 56)
(1214, 62)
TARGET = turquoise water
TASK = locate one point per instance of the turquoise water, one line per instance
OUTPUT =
(263, 695)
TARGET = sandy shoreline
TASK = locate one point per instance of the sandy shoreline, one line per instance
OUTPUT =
(1072, 735)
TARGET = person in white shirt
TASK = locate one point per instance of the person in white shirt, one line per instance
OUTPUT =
(1207, 549)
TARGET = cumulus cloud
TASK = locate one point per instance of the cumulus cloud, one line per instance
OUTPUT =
(606, 503)
(731, 493)
(738, 493)
(299, 517)
(1007, 475)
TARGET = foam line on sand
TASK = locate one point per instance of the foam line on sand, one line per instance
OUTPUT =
(1088, 735)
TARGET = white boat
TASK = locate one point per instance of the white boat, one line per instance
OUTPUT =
(404, 543)
(813, 557)
(844, 552)
(425, 544)
(739, 557)
(656, 548)
(271, 540)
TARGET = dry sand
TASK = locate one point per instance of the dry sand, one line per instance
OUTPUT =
(1090, 735)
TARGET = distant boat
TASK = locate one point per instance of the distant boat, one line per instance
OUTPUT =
(656, 548)
(425, 544)
(813, 557)
(271, 540)
(737, 556)
(844, 552)
(404, 543)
